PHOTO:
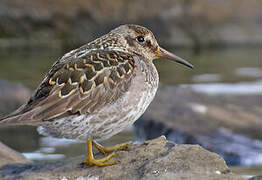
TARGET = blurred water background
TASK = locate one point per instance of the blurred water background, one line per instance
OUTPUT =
(221, 39)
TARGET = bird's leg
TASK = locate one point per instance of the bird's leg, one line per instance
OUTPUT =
(91, 161)
(105, 150)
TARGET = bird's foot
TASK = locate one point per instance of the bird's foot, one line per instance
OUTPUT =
(91, 161)
(105, 150)
(100, 162)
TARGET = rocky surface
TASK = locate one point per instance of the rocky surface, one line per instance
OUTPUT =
(226, 124)
(184, 23)
(256, 178)
(8, 155)
(155, 159)
(12, 96)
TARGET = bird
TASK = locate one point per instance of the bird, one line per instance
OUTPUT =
(96, 91)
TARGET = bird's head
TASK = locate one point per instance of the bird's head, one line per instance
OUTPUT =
(141, 41)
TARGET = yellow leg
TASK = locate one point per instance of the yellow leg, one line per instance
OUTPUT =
(105, 150)
(91, 161)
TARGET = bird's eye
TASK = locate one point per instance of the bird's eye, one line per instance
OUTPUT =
(140, 39)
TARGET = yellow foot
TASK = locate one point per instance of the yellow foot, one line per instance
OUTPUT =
(105, 150)
(100, 162)
(91, 161)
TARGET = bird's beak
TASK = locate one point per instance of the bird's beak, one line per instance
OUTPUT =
(162, 53)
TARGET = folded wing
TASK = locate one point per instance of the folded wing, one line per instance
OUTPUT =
(80, 84)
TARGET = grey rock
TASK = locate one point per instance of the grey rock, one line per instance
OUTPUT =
(228, 125)
(8, 155)
(155, 159)
(256, 178)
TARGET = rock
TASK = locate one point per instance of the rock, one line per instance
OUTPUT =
(12, 95)
(256, 178)
(155, 159)
(227, 125)
(8, 155)
(184, 23)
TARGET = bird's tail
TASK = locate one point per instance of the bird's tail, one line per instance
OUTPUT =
(14, 118)
(9, 120)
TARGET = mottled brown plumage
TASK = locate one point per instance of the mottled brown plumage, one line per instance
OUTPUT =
(97, 90)
(64, 91)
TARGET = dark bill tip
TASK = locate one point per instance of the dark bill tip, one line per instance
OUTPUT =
(162, 53)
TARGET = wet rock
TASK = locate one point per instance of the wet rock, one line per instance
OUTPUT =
(12, 96)
(8, 155)
(228, 125)
(155, 159)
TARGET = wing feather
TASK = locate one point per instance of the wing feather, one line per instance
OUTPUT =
(81, 85)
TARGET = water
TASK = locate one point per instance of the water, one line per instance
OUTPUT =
(225, 66)
(231, 71)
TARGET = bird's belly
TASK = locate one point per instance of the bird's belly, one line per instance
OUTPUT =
(109, 121)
